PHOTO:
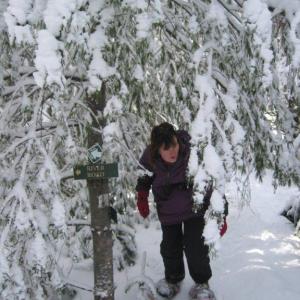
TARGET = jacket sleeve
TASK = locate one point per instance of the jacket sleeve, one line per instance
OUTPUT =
(184, 136)
(144, 181)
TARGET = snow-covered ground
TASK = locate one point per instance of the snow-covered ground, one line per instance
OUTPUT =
(259, 256)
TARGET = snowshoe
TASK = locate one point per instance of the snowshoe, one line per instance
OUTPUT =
(201, 292)
(166, 289)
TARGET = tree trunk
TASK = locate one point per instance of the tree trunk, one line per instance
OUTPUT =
(100, 217)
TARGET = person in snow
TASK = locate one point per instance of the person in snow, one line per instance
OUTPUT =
(167, 159)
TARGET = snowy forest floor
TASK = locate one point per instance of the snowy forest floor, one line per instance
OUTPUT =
(259, 257)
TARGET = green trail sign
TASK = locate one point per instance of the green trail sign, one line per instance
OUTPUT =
(95, 171)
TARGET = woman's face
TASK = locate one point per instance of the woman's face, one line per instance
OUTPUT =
(170, 155)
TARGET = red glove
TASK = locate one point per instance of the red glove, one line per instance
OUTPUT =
(142, 203)
(223, 228)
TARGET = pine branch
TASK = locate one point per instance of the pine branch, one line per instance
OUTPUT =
(184, 6)
(46, 129)
(239, 2)
(75, 223)
(80, 287)
(20, 84)
(230, 11)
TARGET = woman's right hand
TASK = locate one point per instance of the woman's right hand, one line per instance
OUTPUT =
(142, 203)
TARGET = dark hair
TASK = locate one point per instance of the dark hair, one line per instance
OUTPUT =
(162, 134)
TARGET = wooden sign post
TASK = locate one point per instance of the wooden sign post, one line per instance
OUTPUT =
(96, 176)
(97, 180)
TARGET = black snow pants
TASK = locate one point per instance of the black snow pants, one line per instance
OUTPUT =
(185, 237)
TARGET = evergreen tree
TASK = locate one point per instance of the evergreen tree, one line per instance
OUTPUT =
(52, 62)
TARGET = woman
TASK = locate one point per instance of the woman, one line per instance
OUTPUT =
(167, 158)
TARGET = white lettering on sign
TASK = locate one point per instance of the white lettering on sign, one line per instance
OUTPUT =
(95, 174)
(95, 168)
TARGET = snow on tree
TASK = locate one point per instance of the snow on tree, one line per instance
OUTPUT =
(52, 62)
(292, 211)
(238, 98)
(226, 70)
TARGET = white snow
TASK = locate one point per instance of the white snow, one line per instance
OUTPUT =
(23, 34)
(193, 24)
(238, 134)
(193, 161)
(200, 184)
(48, 60)
(212, 162)
(293, 207)
(98, 70)
(144, 23)
(78, 28)
(20, 9)
(138, 73)
(259, 17)
(294, 35)
(201, 127)
(217, 201)
(16, 16)
(110, 132)
(23, 211)
(113, 106)
(37, 11)
(216, 12)
(95, 6)
(107, 15)
(290, 7)
(57, 14)
(58, 213)
(211, 232)
(37, 251)
(97, 39)
(258, 258)
(41, 220)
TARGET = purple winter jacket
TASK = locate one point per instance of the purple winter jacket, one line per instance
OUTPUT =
(172, 195)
